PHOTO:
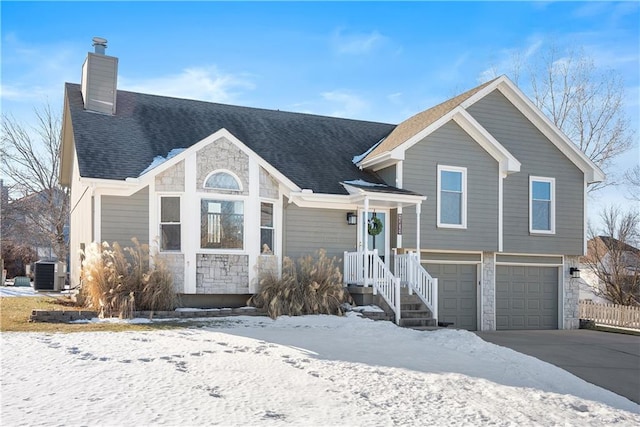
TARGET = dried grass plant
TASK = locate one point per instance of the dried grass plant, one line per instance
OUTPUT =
(118, 281)
(313, 285)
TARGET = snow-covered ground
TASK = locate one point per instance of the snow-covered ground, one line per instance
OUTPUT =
(310, 370)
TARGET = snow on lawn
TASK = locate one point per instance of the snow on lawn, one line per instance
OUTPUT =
(310, 370)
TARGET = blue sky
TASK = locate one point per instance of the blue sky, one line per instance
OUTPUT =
(378, 61)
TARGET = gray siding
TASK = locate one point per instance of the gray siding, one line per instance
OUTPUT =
(450, 257)
(452, 146)
(388, 175)
(125, 217)
(307, 230)
(539, 157)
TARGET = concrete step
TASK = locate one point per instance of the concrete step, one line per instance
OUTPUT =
(415, 314)
(407, 306)
(416, 322)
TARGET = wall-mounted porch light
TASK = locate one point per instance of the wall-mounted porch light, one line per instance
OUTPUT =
(574, 272)
(352, 219)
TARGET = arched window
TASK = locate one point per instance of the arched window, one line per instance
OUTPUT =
(222, 180)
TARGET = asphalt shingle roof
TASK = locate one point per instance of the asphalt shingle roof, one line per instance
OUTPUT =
(313, 151)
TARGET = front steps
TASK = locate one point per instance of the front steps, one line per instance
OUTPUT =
(413, 313)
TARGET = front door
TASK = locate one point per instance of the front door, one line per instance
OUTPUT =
(379, 241)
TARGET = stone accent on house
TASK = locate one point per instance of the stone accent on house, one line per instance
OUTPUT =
(488, 292)
(268, 185)
(175, 264)
(171, 180)
(222, 154)
(222, 274)
(571, 293)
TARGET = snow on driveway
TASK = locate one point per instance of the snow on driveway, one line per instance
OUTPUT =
(309, 370)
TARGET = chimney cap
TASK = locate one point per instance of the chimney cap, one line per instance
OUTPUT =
(99, 40)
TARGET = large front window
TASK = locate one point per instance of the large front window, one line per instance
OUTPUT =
(452, 197)
(541, 205)
(222, 224)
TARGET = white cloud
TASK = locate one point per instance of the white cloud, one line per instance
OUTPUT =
(357, 44)
(201, 83)
(347, 104)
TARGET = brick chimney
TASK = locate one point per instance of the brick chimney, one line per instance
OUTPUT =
(99, 79)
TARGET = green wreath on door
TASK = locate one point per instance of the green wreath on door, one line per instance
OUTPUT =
(374, 226)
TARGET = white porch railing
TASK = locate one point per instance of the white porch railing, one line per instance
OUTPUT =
(412, 275)
(378, 276)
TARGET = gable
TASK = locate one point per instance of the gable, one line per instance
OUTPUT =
(518, 134)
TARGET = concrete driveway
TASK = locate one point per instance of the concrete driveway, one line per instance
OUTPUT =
(608, 360)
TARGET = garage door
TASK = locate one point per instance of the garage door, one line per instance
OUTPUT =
(526, 297)
(457, 294)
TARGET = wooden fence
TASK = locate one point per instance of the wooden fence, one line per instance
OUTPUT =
(611, 314)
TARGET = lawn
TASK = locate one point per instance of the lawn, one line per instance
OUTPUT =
(15, 312)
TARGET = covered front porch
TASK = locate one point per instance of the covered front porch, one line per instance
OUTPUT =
(388, 272)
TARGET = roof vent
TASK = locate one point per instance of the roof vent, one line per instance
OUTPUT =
(100, 45)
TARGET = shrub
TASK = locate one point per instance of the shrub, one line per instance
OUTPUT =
(118, 281)
(313, 286)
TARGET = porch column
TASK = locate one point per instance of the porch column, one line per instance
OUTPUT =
(418, 207)
(365, 241)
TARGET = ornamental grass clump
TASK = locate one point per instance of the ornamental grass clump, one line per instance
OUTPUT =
(310, 286)
(117, 281)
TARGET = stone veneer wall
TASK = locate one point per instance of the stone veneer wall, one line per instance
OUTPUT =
(222, 154)
(488, 299)
(172, 179)
(571, 294)
(222, 274)
(268, 185)
(175, 264)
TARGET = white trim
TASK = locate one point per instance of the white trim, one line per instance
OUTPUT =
(501, 178)
(585, 221)
(222, 133)
(552, 207)
(191, 229)
(159, 223)
(251, 232)
(225, 171)
(463, 208)
(435, 261)
(97, 216)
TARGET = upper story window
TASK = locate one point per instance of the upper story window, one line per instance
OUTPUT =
(542, 205)
(170, 223)
(222, 180)
(452, 197)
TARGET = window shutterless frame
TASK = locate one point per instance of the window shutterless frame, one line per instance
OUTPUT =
(451, 201)
(170, 224)
(542, 205)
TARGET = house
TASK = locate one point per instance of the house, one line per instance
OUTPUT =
(481, 199)
(616, 262)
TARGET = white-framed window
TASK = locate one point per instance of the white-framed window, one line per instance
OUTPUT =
(452, 197)
(222, 224)
(266, 228)
(223, 180)
(542, 205)
(170, 225)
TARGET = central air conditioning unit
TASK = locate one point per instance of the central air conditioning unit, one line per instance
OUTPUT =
(49, 276)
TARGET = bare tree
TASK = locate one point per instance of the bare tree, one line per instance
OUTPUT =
(613, 260)
(30, 159)
(585, 102)
(632, 180)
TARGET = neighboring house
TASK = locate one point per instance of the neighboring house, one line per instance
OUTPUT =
(614, 260)
(489, 193)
